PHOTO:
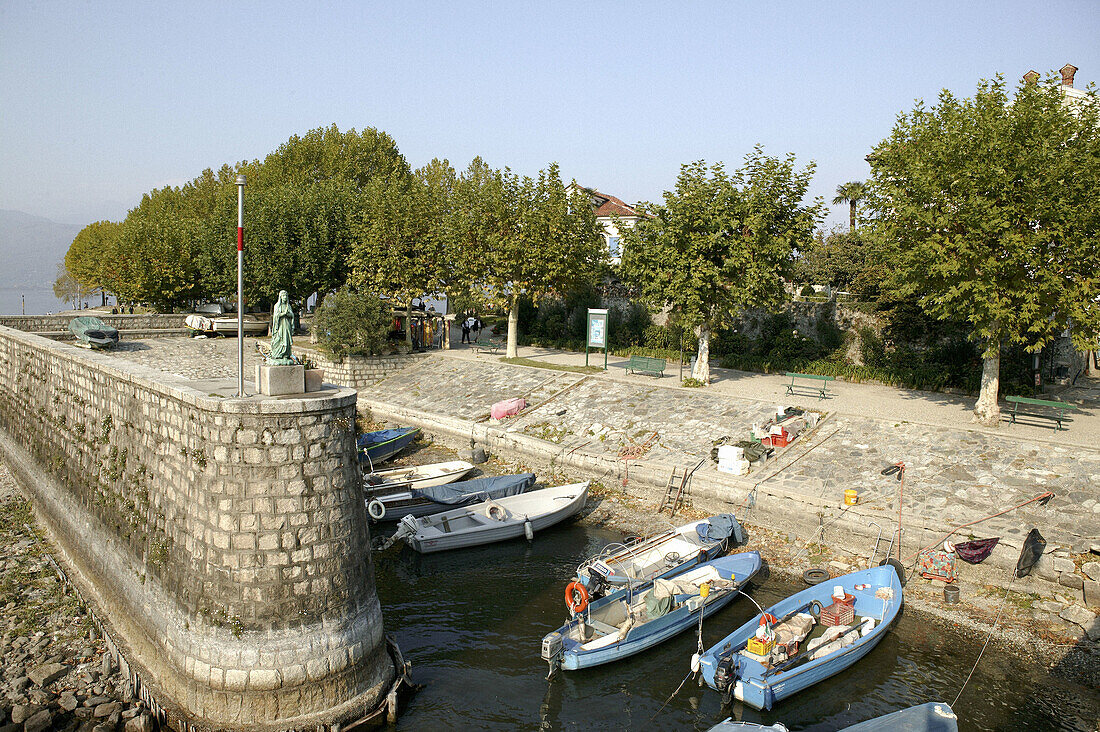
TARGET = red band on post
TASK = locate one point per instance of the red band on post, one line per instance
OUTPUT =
(240, 238)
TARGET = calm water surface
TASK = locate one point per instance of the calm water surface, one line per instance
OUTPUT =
(472, 622)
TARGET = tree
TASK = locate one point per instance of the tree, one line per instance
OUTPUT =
(720, 243)
(989, 211)
(850, 193)
(65, 287)
(92, 258)
(351, 322)
(520, 236)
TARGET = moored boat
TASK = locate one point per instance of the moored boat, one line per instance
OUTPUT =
(930, 717)
(199, 325)
(495, 520)
(381, 445)
(794, 650)
(227, 325)
(392, 504)
(637, 617)
(91, 332)
(660, 554)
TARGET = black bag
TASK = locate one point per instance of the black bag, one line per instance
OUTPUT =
(1034, 545)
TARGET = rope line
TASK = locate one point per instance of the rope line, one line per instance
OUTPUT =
(987, 638)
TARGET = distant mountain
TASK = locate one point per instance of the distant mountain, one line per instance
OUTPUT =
(30, 248)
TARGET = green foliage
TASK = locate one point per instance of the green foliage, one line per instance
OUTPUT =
(93, 258)
(847, 261)
(691, 383)
(350, 322)
(988, 207)
(851, 193)
(808, 291)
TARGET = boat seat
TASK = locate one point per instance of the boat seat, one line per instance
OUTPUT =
(602, 627)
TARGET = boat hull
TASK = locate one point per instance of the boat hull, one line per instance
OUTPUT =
(742, 566)
(930, 717)
(401, 503)
(762, 689)
(572, 499)
(379, 446)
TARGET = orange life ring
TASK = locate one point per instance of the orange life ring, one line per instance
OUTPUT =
(576, 597)
(769, 620)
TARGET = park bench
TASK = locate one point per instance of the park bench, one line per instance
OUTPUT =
(646, 365)
(1060, 409)
(816, 388)
(487, 344)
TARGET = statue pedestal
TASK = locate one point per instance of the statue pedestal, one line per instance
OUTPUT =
(279, 380)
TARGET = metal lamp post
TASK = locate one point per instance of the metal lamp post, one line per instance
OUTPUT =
(240, 285)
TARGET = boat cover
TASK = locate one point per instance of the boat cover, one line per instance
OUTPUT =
(368, 439)
(496, 486)
(720, 528)
(977, 550)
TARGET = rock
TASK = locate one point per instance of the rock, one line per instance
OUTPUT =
(22, 712)
(83, 712)
(107, 664)
(68, 702)
(1049, 606)
(39, 697)
(1079, 615)
(95, 701)
(40, 721)
(1061, 564)
(131, 712)
(141, 723)
(1091, 570)
(1069, 579)
(47, 673)
(20, 683)
(1092, 593)
(107, 709)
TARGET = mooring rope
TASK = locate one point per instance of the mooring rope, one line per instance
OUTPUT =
(996, 620)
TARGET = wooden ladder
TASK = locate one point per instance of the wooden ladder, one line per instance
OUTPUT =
(676, 489)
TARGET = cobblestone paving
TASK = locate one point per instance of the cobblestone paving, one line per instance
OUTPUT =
(191, 358)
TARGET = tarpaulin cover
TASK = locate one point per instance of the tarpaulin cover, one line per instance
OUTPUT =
(478, 489)
(656, 607)
(1034, 545)
(720, 527)
(977, 550)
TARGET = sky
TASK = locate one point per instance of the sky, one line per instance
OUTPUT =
(101, 102)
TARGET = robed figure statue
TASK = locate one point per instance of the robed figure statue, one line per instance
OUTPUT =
(282, 326)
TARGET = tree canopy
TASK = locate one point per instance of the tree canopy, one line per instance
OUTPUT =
(721, 243)
(988, 210)
(850, 193)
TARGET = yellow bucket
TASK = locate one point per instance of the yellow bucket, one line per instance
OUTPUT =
(851, 497)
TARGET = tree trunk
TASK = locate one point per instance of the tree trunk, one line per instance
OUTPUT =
(852, 216)
(409, 323)
(701, 372)
(513, 327)
(986, 411)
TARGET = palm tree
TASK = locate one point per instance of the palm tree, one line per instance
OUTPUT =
(851, 193)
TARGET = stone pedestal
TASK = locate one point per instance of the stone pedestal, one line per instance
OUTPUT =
(279, 380)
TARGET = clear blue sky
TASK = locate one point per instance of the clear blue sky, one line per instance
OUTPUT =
(102, 101)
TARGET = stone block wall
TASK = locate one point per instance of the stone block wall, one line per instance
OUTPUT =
(360, 372)
(224, 540)
(56, 323)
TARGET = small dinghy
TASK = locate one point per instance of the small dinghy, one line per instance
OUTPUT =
(227, 325)
(417, 476)
(638, 617)
(788, 649)
(930, 717)
(199, 325)
(376, 447)
(659, 555)
(92, 332)
(392, 504)
(492, 521)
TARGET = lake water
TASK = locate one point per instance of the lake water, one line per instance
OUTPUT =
(472, 621)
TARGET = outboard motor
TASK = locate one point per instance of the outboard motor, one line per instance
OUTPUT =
(553, 649)
(725, 673)
(596, 584)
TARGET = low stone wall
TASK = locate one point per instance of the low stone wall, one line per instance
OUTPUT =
(55, 323)
(225, 541)
(360, 372)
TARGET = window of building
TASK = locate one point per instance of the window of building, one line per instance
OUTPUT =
(613, 247)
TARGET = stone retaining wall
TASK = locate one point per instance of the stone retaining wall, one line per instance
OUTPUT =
(224, 540)
(360, 372)
(55, 323)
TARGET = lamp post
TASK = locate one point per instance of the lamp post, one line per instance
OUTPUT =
(240, 285)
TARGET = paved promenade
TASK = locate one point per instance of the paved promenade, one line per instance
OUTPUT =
(956, 473)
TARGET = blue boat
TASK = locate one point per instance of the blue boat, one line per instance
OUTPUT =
(393, 505)
(638, 617)
(376, 447)
(930, 717)
(799, 659)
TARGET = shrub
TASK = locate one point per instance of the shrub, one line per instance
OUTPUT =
(350, 322)
(808, 291)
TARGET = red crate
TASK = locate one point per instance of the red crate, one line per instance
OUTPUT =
(839, 613)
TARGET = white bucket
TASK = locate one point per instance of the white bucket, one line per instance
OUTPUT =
(838, 592)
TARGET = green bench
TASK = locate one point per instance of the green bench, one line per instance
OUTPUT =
(816, 388)
(487, 344)
(646, 365)
(1060, 409)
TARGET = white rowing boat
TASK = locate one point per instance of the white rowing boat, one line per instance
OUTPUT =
(492, 521)
(384, 482)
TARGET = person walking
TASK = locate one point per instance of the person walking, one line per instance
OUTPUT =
(465, 331)
(477, 328)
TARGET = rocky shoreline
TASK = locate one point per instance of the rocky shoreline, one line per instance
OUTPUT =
(55, 670)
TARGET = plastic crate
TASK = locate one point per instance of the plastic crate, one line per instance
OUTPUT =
(761, 646)
(839, 613)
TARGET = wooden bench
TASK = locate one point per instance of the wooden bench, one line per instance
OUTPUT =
(487, 344)
(818, 389)
(1060, 409)
(646, 365)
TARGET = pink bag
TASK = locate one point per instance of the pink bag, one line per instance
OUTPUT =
(507, 408)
